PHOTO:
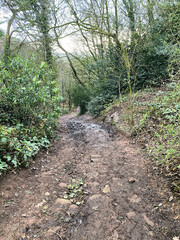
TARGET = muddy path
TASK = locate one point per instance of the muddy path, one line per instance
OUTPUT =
(90, 185)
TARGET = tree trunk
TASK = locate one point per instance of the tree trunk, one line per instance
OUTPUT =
(7, 52)
(150, 6)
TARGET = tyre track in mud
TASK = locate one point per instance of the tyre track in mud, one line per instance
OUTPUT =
(122, 200)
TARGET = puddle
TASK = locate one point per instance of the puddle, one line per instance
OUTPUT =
(87, 132)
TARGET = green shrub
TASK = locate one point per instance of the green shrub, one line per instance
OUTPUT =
(29, 95)
(80, 98)
(17, 148)
(99, 103)
(29, 108)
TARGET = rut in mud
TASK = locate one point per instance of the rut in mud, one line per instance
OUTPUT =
(90, 185)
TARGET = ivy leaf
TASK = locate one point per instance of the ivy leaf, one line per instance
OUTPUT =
(4, 140)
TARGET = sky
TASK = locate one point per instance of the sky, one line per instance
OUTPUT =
(4, 16)
(69, 43)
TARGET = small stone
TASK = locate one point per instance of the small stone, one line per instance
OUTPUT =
(148, 221)
(62, 201)
(63, 185)
(73, 209)
(106, 189)
(131, 215)
(175, 238)
(95, 158)
(171, 199)
(16, 194)
(47, 194)
(151, 233)
(134, 199)
(23, 215)
(132, 180)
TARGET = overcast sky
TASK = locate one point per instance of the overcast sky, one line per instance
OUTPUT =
(69, 43)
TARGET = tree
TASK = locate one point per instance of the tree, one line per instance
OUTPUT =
(31, 18)
(41, 12)
(8, 35)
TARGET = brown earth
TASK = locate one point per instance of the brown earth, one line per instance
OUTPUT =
(89, 185)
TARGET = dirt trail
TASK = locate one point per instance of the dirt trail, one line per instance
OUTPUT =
(90, 185)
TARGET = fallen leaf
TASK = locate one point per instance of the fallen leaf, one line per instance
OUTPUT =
(106, 189)
(95, 208)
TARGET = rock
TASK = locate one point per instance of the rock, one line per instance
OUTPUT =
(131, 215)
(95, 158)
(151, 234)
(115, 117)
(73, 209)
(134, 199)
(148, 221)
(47, 194)
(55, 209)
(23, 215)
(106, 189)
(171, 199)
(132, 180)
(62, 201)
(62, 185)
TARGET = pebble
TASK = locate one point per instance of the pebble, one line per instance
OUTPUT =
(106, 189)
(132, 180)
(148, 221)
(131, 214)
(63, 185)
(73, 209)
(47, 194)
(171, 198)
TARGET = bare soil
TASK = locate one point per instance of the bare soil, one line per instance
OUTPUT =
(91, 184)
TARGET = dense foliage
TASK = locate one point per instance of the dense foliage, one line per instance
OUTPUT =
(80, 97)
(29, 107)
